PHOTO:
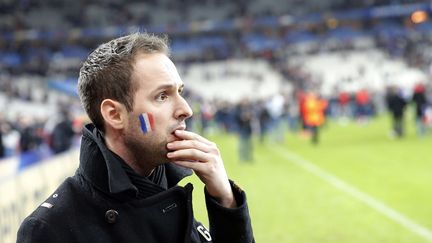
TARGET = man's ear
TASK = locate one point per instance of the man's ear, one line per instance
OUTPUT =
(114, 113)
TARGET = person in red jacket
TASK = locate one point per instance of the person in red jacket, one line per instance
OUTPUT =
(314, 114)
(362, 106)
(344, 105)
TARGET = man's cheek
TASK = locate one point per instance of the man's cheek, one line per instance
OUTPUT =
(147, 122)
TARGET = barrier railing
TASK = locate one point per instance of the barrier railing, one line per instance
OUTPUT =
(21, 193)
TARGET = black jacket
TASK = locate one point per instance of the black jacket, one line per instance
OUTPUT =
(396, 104)
(419, 99)
(97, 204)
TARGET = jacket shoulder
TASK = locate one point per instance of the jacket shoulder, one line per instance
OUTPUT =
(56, 206)
(34, 230)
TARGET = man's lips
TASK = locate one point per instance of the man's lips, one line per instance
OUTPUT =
(181, 127)
(174, 137)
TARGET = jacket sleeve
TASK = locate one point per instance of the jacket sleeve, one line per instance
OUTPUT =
(230, 224)
(33, 230)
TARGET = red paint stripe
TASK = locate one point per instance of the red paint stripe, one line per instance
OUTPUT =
(150, 117)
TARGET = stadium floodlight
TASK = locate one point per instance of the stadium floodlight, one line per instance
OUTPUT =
(419, 16)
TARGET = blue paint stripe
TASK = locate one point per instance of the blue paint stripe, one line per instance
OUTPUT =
(143, 124)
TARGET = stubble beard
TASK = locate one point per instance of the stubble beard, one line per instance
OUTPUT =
(148, 150)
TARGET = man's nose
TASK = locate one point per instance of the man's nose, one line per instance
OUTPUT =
(183, 111)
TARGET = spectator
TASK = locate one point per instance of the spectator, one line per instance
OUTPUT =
(314, 109)
(2, 148)
(62, 134)
(275, 106)
(244, 120)
(344, 106)
(396, 105)
(264, 120)
(363, 106)
(419, 100)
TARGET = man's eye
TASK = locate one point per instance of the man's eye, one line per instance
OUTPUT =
(180, 91)
(162, 96)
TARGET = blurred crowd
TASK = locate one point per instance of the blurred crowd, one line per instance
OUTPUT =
(35, 138)
(59, 44)
(302, 109)
(304, 112)
(20, 14)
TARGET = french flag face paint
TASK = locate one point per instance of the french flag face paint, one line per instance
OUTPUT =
(147, 122)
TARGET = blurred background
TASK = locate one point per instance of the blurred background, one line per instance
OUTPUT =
(322, 109)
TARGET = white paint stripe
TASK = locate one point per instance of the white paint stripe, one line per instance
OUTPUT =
(359, 195)
(147, 122)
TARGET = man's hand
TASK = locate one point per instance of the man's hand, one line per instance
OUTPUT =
(203, 156)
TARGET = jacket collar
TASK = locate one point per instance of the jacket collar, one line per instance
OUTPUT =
(104, 170)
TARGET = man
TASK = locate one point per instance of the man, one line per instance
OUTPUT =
(2, 147)
(244, 118)
(314, 114)
(420, 102)
(62, 135)
(396, 105)
(133, 156)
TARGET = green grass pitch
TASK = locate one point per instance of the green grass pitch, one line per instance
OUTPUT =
(289, 203)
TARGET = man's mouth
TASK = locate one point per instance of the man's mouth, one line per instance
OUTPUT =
(181, 127)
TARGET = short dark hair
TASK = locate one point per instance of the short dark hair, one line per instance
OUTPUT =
(107, 72)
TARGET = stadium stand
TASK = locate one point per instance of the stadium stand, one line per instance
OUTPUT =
(353, 70)
(234, 79)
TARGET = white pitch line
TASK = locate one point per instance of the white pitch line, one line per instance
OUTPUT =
(359, 195)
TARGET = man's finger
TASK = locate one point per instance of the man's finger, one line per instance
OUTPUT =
(195, 166)
(186, 135)
(188, 144)
(189, 154)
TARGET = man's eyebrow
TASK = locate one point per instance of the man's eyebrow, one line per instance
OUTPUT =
(168, 86)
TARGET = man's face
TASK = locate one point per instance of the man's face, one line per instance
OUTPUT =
(158, 97)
